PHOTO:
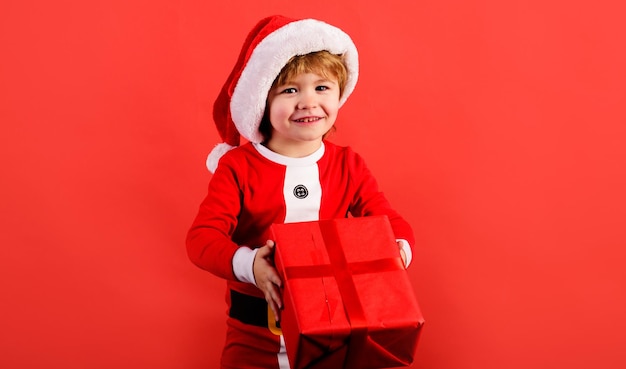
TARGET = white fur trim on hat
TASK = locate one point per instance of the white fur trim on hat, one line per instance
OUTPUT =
(214, 156)
(301, 37)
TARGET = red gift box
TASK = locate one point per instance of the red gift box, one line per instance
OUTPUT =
(348, 301)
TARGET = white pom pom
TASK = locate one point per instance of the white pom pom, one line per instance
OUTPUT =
(214, 156)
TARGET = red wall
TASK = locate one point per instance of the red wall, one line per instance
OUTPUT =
(496, 127)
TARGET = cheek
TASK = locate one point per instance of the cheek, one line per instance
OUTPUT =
(277, 114)
(332, 108)
(279, 110)
(331, 104)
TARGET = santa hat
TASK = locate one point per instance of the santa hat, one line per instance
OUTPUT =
(240, 106)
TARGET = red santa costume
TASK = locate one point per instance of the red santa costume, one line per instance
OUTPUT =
(253, 187)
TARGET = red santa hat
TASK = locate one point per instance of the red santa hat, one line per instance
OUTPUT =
(240, 106)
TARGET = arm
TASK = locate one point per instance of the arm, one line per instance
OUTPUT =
(209, 243)
(369, 200)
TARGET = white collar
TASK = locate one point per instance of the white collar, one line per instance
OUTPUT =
(287, 160)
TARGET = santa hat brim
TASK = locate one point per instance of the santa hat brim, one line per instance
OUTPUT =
(272, 54)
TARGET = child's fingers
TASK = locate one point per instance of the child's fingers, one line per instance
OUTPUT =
(275, 310)
(272, 296)
(402, 253)
(275, 302)
(269, 281)
(271, 278)
(275, 278)
(264, 252)
(272, 292)
(403, 256)
(275, 284)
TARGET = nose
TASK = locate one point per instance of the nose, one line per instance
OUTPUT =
(308, 100)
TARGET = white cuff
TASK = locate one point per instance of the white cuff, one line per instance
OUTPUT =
(243, 262)
(407, 251)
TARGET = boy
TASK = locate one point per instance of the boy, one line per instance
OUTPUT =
(283, 96)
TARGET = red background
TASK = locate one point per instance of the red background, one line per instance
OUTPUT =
(496, 127)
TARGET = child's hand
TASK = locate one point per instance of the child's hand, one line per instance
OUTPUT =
(266, 277)
(402, 253)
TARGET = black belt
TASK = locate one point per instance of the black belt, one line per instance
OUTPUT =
(249, 309)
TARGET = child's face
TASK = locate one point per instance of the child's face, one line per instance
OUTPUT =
(301, 112)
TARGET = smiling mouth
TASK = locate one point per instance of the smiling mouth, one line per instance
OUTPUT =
(307, 120)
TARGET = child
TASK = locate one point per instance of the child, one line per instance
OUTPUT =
(283, 97)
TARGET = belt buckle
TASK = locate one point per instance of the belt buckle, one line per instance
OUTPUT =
(272, 324)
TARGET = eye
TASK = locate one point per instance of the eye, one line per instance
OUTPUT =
(322, 88)
(290, 90)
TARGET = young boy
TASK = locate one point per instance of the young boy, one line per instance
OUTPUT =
(283, 96)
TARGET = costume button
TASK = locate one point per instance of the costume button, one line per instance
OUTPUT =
(300, 192)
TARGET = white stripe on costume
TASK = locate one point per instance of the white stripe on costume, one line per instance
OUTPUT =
(302, 189)
(303, 193)
(283, 361)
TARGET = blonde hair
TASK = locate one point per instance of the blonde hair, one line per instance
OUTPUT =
(322, 62)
